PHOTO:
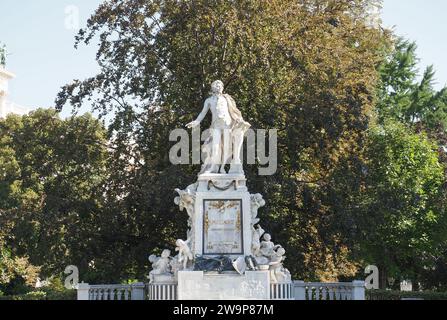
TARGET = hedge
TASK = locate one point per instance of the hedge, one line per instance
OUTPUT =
(43, 295)
(399, 295)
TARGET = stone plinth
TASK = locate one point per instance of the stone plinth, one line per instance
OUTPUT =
(219, 182)
(197, 285)
(222, 216)
(164, 279)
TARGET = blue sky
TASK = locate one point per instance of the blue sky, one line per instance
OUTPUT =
(41, 48)
(424, 22)
(43, 57)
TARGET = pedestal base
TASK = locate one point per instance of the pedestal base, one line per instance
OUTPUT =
(196, 285)
(222, 182)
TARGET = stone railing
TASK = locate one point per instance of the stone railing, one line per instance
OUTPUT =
(162, 291)
(329, 291)
(298, 290)
(111, 292)
(281, 291)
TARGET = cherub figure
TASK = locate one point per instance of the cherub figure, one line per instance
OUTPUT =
(176, 266)
(256, 202)
(184, 252)
(277, 271)
(160, 265)
(267, 246)
(256, 240)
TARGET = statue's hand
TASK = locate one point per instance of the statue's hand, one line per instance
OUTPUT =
(193, 124)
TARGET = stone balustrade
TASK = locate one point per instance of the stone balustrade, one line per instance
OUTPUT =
(329, 291)
(281, 291)
(162, 291)
(298, 290)
(111, 292)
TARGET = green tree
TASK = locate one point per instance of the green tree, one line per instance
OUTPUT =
(401, 220)
(17, 275)
(52, 184)
(402, 96)
(417, 104)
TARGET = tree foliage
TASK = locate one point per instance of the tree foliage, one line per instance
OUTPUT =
(406, 98)
(17, 275)
(410, 98)
(53, 177)
(404, 218)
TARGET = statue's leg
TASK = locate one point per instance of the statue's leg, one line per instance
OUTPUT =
(226, 146)
(215, 150)
(237, 142)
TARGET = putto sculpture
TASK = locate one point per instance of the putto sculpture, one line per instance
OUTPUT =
(277, 271)
(257, 202)
(256, 240)
(160, 265)
(184, 253)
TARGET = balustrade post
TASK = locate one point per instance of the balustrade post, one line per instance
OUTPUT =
(137, 291)
(299, 290)
(358, 290)
(83, 291)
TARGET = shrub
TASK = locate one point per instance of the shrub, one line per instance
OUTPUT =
(60, 294)
(399, 295)
(43, 295)
(35, 295)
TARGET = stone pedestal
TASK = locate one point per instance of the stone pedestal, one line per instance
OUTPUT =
(222, 218)
(227, 255)
(197, 285)
(223, 235)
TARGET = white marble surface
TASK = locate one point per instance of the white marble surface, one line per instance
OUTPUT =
(222, 231)
(227, 132)
(244, 197)
(209, 181)
(196, 285)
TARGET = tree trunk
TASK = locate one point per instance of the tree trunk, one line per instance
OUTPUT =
(383, 278)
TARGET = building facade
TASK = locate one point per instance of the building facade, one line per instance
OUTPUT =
(7, 107)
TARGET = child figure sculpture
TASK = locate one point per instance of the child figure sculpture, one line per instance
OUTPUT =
(184, 253)
(160, 265)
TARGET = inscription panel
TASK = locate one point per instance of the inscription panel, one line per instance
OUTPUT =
(223, 227)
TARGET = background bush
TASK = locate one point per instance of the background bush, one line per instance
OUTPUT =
(399, 295)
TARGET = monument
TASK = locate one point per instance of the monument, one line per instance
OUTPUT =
(226, 254)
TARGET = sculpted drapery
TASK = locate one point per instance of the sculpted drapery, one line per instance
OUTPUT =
(227, 131)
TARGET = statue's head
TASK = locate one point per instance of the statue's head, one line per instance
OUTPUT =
(281, 251)
(166, 253)
(267, 237)
(217, 87)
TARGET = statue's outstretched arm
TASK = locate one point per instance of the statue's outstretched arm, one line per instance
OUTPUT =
(201, 116)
